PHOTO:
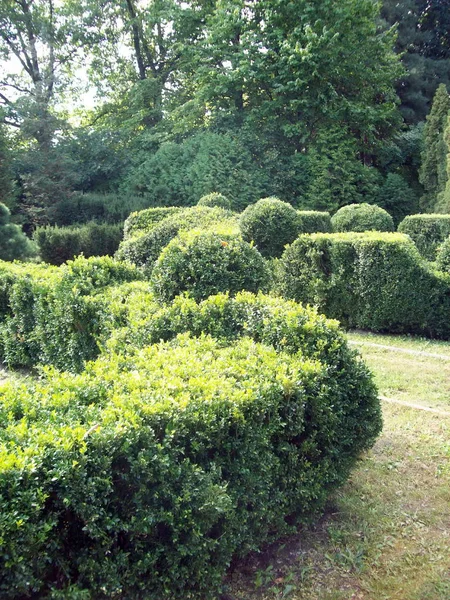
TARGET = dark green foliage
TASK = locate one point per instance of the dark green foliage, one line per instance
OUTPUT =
(144, 476)
(362, 217)
(313, 221)
(60, 244)
(375, 281)
(14, 244)
(397, 197)
(154, 230)
(443, 256)
(216, 199)
(57, 315)
(142, 221)
(7, 187)
(270, 224)
(203, 264)
(427, 232)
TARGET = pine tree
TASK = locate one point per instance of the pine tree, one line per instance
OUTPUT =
(433, 170)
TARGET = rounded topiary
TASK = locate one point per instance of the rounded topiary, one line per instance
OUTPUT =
(14, 244)
(271, 224)
(362, 217)
(203, 264)
(216, 199)
(443, 256)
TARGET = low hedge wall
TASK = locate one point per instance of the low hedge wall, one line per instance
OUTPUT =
(146, 474)
(374, 281)
(313, 221)
(427, 231)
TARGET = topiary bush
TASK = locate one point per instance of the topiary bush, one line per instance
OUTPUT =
(144, 249)
(270, 224)
(427, 231)
(375, 281)
(313, 221)
(207, 263)
(146, 474)
(57, 245)
(14, 244)
(443, 256)
(216, 199)
(143, 221)
(362, 217)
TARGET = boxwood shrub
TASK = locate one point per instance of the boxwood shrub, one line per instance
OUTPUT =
(203, 264)
(362, 217)
(374, 281)
(144, 220)
(313, 221)
(216, 199)
(427, 232)
(270, 224)
(146, 474)
(443, 256)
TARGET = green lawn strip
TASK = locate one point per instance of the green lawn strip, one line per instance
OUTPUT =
(419, 379)
(416, 343)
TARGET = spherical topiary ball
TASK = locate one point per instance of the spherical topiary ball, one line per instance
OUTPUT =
(362, 217)
(216, 199)
(203, 264)
(443, 256)
(270, 224)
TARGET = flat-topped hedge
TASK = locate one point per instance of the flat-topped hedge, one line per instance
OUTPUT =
(374, 281)
(427, 231)
(146, 474)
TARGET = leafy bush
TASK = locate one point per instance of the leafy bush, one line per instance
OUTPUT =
(14, 244)
(143, 250)
(60, 244)
(362, 217)
(146, 474)
(443, 256)
(142, 221)
(207, 263)
(216, 199)
(397, 197)
(374, 281)
(270, 224)
(427, 231)
(313, 221)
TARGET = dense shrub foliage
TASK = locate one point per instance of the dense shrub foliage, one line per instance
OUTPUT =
(143, 221)
(443, 256)
(60, 244)
(146, 474)
(270, 224)
(145, 247)
(427, 231)
(14, 244)
(362, 217)
(373, 281)
(207, 263)
(216, 199)
(313, 221)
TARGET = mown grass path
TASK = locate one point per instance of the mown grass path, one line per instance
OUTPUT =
(386, 534)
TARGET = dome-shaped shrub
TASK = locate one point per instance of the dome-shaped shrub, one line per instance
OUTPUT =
(216, 199)
(271, 224)
(14, 244)
(443, 256)
(203, 264)
(362, 217)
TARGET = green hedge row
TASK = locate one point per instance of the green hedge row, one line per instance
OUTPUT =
(56, 316)
(374, 281)
(145, 475)
(57, 245)
(427, 231)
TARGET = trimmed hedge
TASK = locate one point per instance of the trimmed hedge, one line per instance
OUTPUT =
(143, 221)
(374, 281)
(313, 221)
(362, 217)
(144, 249)
(270, 224)
(57, 245)
(202, 264)
(144, 476)
(58, 315)
(427, 231)
(216, 199)
(443, 256)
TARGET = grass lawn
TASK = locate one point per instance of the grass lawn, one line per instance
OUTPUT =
(386, 534)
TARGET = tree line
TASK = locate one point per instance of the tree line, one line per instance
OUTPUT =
(320, 103)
